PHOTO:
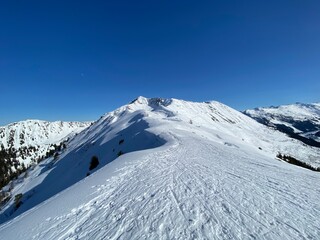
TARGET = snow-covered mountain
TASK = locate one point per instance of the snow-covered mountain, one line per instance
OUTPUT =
(300, 121)
(31, 139)
(169, 169)
(26, 143)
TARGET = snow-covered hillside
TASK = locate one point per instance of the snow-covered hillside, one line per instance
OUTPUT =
(31, 139)
(170, 169)
(299, 120)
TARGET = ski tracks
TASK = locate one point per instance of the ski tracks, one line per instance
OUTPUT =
(193, 190)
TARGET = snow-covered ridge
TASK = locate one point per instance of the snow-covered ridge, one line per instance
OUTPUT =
(298, 111)
(300, 119)
(170, 169)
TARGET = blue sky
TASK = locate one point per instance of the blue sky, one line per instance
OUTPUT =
(75, 60)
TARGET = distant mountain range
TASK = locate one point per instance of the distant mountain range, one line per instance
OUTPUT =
(25, 143)
(39, 135)
(300, 121)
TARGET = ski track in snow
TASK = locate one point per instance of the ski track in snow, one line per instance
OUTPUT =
(179, 193)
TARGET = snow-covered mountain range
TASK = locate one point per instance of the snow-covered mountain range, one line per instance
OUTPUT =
(169, 169)
(26, 143)
(300, 121)
(31, 139)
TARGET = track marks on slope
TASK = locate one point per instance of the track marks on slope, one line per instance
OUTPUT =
(193, 191)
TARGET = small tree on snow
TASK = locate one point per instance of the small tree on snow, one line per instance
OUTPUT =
(94, 163)
(17, 200)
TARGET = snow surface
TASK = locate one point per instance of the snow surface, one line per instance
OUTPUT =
(190, 171)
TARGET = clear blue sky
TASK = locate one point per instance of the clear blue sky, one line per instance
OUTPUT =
(75, 60)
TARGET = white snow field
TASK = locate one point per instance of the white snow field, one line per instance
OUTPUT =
(190, 171)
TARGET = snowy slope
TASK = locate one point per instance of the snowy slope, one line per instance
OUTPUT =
(39, 135)
(190, 171)
(296, 119)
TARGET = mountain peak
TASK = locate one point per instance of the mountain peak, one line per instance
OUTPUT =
(152, 101)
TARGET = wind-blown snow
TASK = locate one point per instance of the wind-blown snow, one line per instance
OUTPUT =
(204, 171)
